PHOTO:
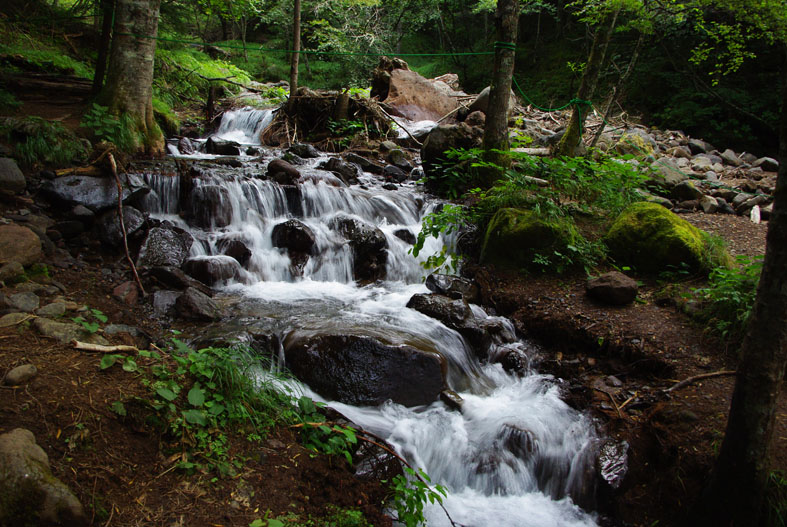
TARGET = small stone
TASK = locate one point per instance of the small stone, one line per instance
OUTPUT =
(11, 178)
(64, 332)
(11, 272)
(53, 310)
(13, 319)
(613, 288)
(611, 380)
(708, 204)
(127, 293)
(768, 164)
(26, 302)
(19, 244)
(452, 399)
(20, 375)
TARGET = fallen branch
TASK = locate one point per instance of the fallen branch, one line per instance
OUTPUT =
(123, 224)
(100, 348)
(419, 143)
(695, 378)
(614, 402)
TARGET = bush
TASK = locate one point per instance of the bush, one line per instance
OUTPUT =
(37, 141)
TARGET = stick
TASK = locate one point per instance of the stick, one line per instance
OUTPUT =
(614, 402)
(449, 113)
(100, 348)
(123, 224)
(695, 378)
(419, 143)
(622, 406)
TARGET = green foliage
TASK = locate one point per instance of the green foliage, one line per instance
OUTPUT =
(166, 117)
(411, 491)
(8, 101)
(320, 436)
(37, 141)
(22, 48)
(347, 130)
(447, 220)
(776, 500)
(91, 326)
(728, 299)
(335, 517)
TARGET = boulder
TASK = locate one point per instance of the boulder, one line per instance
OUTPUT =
(369, 247)
(212, 270)
(613, 288)
(708, 204)
(381, 76)
(417, 98)
(13, 271)
(345, 171)
(95, 193)
(767, 163)
(236, 249)
(31, 495)
(175, 278)
(360, 370)
(192, 304)
(698, 146)
(456, 315)
(283, 172)
(651, 238)
(294, 236)
(731, 158)
(441, 139)
(304, 150)
(636, 142)
(667, 172)
(185, 146)
(19, 244)
(108, 225)
(365, 164)
(221, 147)
(514, 237)
(164, 246)
(394, 173)
(454, 287)
(481, 102)
(11, 178)
(406, 235)
(210, 206)
(685, 190)
(398, 158)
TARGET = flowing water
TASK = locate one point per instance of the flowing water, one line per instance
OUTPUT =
(515, 455)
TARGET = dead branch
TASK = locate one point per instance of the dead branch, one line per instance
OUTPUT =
(123, 224)
(695, 378)
(99, 348)
(419, 143)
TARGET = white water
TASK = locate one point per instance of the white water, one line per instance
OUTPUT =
(512, 456)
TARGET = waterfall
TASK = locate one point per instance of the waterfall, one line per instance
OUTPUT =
(244, 125)
(515, 455)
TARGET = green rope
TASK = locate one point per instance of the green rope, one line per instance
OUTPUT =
(505, 45)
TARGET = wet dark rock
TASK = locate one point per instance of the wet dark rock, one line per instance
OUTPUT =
(283, 172)
(108, 225)
(69, 228)
(441, 139)
(165, 246)
(365, 164)
(294, 204)
(456, 315)
(304, 150)
(95, 193)
(368, 245)
(212, 270)
(195, 305)
(406, 235)
(210, 206)
(163, 303)
(11, 178)
(390, 186)
(613, 288)
(514, 361)
(236, 249)
(294, 236)
(185, 146)
(363, 371)
(394, 173)
(398, 158)
(221, 147)
(452, 399)
(175, 278)
(345, 171)
(453, 287)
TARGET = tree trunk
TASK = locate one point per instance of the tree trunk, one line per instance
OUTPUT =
(573, 135)
(734, 495)
(108, 14)
(296, 48)
(128, 91)
(496, 127)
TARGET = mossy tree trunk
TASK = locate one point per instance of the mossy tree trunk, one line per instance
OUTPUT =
(571, 138)
(129, 87)
(734, 495)
(108, 19)
(496, 126)
(296, 48)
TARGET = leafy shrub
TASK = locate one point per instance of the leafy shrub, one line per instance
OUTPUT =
(37, 141)
(8, 101)
(410, 493)
(107, 127)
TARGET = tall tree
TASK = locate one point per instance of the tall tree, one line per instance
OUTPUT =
(496, 127)
(296, 48)
(128, 92)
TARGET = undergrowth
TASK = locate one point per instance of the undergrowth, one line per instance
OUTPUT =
(37, 142)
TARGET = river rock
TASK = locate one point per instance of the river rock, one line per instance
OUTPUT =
(109, 229)
(453, 287)
(685, 190)
(441, 139)
(406, 235)
(212, 270)
(698, 146)
(362, 371)
(398, 158)
(11, 272)
(175, 278)
(369, 247)
(724, 207)
(11, 178)
(304, 150)
(345, 171)
(283, 172)
(456, 315)
(19, 244)
(365, 164)
(221, 147)
(53, 310)
(708, 204)
(768, 164)
(236, 249)
(668, 172)
(12, 319)
(211, 206)
(127, 292)
(64, 332)
(295, 236)
(20, 375)
(164, 246)
(25, 302)
(731, 158)
(613, 288)
(394, 173)
(185, 146)
(163, 302)
(195, 305)
(95, 193)
(31, 494)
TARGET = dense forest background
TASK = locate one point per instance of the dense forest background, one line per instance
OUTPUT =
(673, 82)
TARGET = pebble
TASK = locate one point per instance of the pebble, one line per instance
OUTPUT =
(20, 375)
(53, 310)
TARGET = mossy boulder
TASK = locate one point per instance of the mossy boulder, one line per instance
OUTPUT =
(650, 238)
(515, 236)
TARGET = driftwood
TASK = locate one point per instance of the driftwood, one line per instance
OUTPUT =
(695, 378)
(99, 348)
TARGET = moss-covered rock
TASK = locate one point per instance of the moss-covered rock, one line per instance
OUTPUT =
(515, 236)
(650, 238)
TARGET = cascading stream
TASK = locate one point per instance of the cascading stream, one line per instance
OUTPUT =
(515, 452)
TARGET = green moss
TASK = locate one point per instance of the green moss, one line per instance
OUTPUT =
(515, 237)
(650, 238)
(166, 117)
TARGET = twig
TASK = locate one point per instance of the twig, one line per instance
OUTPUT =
(695, 378)
(419, 143)
(614, 402)
(99, 348)
(627, 401)
(123, 224)
(440, 120)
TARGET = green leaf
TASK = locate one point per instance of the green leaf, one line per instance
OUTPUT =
(196, 396)
(275, 523)
(216, 409)
(258, 523)
(166, 393)
(195, 417)
(130, 365)
(118, 408)
(107, 361)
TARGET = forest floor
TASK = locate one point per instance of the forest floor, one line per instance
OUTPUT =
(617, 362)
